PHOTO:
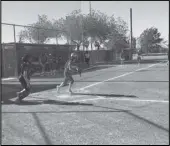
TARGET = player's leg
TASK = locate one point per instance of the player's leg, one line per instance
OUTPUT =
(138, 60)
(121, 61)
(70, 84)
(23, 93)
(64, 83)
(88, 62)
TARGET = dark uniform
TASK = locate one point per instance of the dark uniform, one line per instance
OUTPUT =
(87, 58)
(25, 67)
(139, 58)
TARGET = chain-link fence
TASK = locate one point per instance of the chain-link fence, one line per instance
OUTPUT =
(16, 43)
(29, 34)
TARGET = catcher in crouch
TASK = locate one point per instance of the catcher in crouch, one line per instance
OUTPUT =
(69, 68)
(24, 78)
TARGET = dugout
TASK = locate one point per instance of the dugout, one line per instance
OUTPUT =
(13, 52)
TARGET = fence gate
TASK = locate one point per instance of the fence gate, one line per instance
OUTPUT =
(9, 60)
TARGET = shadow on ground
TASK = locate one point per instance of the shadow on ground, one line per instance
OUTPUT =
(9, 90)
(106, 95)
(55, 102)
(124, 81)
(58, 102)
(106, 109)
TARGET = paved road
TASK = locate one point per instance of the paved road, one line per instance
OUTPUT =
(118, 105)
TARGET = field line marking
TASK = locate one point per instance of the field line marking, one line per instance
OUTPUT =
(123, 99)
(128, 73)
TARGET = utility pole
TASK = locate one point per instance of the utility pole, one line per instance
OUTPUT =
(82, 30)
(131, 32)
(14, 34)
(90, 16)
(90, 7)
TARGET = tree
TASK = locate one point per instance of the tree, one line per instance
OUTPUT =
(134, 43)
(117, 37)
(150, 40)
(37, 32)
(78, 29)
(72, 29)
(22, 36)
(96, 27)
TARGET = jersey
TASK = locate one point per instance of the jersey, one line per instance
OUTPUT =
(87, 56)
(122, 55)
(68, 69)
(26, 67)
(43, 59)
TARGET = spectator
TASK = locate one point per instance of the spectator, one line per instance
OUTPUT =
(139, 58)
(50, 63)
(168, 57)
(43, 61)
(87, 58)
(54, 64)
(59, 63)
(122, 57)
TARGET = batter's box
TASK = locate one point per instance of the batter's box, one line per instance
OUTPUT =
(81, 91)
(70, 96)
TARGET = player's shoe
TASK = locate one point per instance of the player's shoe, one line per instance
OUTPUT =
(70, 91)
(18, 100)
(57, 89)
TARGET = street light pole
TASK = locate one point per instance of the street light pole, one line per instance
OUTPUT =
(90, 7)
(90, 16)
(131, 34)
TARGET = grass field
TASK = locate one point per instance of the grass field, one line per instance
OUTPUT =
(126, 104)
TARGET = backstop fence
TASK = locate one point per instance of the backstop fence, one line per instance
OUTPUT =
(14, 47)
(12, 54)
(29, 34)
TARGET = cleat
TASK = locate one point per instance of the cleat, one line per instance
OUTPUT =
(18, 100)
(71, 92)
(57, 89)
(18, 94)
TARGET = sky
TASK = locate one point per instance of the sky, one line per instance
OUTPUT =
(145, 13)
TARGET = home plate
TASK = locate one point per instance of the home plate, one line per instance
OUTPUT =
(68, 96)
(64, 96)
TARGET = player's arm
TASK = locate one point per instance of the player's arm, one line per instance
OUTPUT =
(77, 69)
(72, 67)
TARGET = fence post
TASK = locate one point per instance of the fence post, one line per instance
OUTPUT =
(16, 65)
(56, 38)
(14, 33)
(38, 35)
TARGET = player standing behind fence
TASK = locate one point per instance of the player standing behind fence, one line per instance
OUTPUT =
(50, 63)
(87, 58)
(24, 78)
(43, 61)
(168, 57)
(59, 63)
(68, 70)
(139, 58)
(122, 56)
